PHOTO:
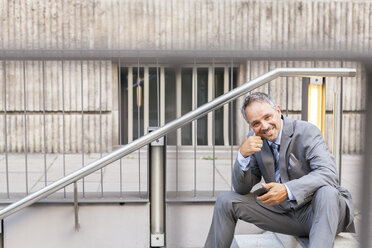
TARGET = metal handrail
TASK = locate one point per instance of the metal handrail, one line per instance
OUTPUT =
(171, 126)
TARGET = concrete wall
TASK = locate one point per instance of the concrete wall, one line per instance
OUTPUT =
(63, 100)
(163, 25)
(195, 24)
(46, 89)
(100, 226)
(113, 226)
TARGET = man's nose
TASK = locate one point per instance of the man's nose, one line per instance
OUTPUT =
(264, 125)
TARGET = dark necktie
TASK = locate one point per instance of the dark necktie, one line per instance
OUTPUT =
(275, 149)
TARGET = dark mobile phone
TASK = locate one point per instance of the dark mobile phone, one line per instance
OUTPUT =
(261, 191)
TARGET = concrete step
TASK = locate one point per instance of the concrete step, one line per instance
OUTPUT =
(264, 240)
(277, 240)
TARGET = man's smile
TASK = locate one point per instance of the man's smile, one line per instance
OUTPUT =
(267, 131)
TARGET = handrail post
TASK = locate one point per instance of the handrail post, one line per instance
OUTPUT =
(156, 162)
(2, 234)
(76, 207)
(336, 132)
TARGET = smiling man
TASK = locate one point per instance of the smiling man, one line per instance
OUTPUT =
(301, 195)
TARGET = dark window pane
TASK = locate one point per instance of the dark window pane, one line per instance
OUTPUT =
(218, 91)
(186, 104)
(232, 85)
(202, 98)
(124, 105)
(170, 102)
(153, 97)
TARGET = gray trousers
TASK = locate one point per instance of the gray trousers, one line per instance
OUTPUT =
(320, 220)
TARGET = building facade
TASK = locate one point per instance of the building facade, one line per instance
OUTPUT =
(87, 76)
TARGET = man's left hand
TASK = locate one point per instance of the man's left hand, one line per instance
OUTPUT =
(276, 195)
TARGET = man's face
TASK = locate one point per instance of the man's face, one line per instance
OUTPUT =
(264, 119)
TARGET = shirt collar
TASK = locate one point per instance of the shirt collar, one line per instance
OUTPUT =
(279, 138)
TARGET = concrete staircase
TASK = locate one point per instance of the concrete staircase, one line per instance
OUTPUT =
(276, 240)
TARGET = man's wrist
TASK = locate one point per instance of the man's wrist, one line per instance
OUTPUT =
(243, 162)
(289, 194)
(243, 154)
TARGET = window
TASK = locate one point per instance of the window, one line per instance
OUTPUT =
(153, 96)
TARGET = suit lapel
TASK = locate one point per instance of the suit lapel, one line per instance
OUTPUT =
(284, 144)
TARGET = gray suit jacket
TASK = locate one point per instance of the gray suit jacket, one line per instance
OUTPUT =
(311, 166)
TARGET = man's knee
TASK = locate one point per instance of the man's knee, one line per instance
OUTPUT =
(224, 201)
(326, 195)
(327, 191)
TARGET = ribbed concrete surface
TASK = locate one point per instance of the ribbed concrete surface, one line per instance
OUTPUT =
(57, 87)
(164, 25)
(64, 92)
(238, 24)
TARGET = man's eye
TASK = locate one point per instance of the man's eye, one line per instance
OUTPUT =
(268, 117)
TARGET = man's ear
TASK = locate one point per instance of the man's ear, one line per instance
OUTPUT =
(278, 109)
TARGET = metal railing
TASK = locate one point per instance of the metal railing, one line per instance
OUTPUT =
(171, 126)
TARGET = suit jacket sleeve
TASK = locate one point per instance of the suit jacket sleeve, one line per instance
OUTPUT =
(321, 162)
(243, 181)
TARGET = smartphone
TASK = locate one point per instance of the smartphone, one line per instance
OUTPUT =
(261, 191)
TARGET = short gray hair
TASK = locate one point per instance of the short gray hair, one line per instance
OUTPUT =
(256, 97)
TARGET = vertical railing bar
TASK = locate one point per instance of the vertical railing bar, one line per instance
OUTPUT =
(2, 234)
(250, 72)
(120, 128)
(25, 122)
(6, 134)
(231, 119)
(63, 128)
(286, 94)
(44, 124)
(176, 164)
(194, 82)
(158, 100)
(100, 120)
(365, 186)
(178, 72)
(213, 129)
(82, 101)
(82, 121)
(340, 118)
(120, 114)
(139, 127)
(76, 207)
(158, 89)
(269, 84)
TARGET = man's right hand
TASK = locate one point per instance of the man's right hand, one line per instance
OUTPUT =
(252, 145)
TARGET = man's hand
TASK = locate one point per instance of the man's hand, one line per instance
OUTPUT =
(276, 195)
(252, 145)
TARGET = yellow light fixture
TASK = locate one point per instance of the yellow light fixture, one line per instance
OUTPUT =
(316, 103)
(139, 93)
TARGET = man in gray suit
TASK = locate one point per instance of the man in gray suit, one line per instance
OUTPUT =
(304, 197)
